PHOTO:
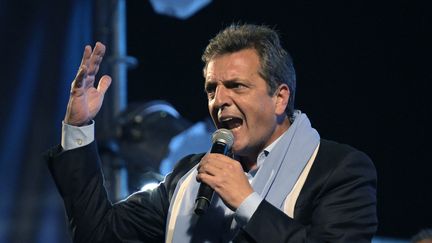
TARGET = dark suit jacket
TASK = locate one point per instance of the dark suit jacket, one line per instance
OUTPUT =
(336, 204)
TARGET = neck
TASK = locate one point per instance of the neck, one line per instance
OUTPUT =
(249, 162)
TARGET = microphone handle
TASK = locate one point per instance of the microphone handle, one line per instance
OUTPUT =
(205, 192)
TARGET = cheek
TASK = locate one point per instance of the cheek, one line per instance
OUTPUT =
(210, 109)
(213, 115)
(262, 116)
(262, 109)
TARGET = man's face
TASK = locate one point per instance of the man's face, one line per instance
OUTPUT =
(238, 100)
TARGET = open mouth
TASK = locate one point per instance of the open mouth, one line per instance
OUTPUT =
(231, 122)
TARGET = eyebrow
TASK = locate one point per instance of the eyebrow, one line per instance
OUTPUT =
(226, 83)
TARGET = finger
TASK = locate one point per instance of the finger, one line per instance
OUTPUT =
(104, 84)
(96, 58)
(79, 79)
(210, 169)
(86, 55)
(205, 178)
(216, 182)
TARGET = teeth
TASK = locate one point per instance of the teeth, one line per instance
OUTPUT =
(230, 122)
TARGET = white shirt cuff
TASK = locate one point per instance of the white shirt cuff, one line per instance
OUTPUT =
(247, 208)
(74, 137)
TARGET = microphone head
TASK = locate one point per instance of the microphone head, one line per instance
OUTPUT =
(224, 136)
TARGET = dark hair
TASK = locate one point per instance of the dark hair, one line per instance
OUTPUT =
(425, 234)
(276, 63)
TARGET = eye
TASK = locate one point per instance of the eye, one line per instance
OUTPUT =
(235, 85)
(210, 90)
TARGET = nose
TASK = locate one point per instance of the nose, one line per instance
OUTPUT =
(222, 97)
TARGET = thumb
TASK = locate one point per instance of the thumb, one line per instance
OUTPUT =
(104, 84)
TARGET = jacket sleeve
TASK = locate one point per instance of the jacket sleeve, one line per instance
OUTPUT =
(92, 217)
(343, 209)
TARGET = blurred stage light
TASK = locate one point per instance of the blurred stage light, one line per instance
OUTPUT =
(181, 9)
(152, 137)
(195, 139)
(144, 131)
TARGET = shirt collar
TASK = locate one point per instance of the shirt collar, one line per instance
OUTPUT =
(264, 154)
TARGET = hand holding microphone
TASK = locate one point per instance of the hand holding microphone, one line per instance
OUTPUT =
(222, 140)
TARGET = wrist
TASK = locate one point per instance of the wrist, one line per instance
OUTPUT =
(77, 123)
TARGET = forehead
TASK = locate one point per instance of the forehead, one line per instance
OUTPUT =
(241, 64)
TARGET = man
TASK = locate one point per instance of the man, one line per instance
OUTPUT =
(281, 184)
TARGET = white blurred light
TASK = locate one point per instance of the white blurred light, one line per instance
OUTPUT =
(181, 9)
(149, 186)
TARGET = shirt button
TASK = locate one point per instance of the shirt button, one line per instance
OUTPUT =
(79, 141)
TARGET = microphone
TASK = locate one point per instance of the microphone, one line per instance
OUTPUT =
(222, 140)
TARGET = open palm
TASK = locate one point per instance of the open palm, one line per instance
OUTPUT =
(85, 100)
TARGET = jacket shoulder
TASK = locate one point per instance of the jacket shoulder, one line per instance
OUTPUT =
(335, 163)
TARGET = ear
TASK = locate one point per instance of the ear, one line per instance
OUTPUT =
(281, 96)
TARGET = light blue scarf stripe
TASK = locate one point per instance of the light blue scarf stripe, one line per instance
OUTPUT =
(281, 169)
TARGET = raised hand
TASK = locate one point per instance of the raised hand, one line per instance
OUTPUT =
(85, 100)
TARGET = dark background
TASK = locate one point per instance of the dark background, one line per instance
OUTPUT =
(363, 79)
